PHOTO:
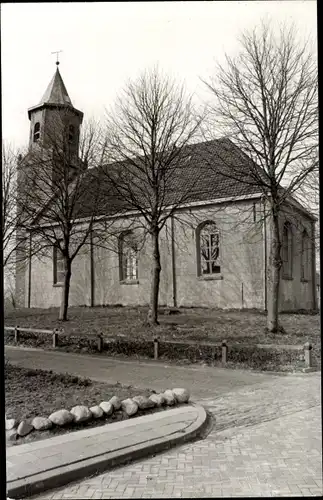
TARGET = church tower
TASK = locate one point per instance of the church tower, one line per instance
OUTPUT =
(52, 157)
(54, 139)
(55, 119)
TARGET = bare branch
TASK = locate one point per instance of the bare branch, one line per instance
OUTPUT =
(265, 103)
(55, 180)
(146, 144)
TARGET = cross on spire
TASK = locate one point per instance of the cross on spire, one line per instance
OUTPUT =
(57, 52)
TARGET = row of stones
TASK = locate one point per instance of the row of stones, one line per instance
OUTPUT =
(81, 413)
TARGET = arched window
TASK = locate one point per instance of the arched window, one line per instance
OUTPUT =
(208, 249)
(128, 257)
(71, 133)
(36, 132)
(58, 264)
(287, 250)
(305, 256)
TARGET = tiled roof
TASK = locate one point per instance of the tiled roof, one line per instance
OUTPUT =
(206, 170)
(199, 177)
(56, 92)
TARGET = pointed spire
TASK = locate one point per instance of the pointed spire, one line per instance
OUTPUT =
(56, 92)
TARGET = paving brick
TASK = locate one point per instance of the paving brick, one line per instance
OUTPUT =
(266, 442)
(305, 491)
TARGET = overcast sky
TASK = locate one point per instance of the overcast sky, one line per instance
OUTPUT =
(105, 43)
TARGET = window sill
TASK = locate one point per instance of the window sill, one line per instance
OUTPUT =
(288, 278)
(210, 277)
(304, 280)
(57, 285)
(129, 282)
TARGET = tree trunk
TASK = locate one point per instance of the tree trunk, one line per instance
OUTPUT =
(274, 277)
(155, 278)
(65, 291)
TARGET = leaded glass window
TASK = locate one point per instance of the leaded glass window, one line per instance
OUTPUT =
(305, 256)
(287, 250)
(209, 248)
(128, 252)
(59, 269)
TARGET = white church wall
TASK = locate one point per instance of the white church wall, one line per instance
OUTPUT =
(296, 293)
(240, 282)
(43, 291)
(109, 289)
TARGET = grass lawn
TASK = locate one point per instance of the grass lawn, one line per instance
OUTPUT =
(31, 393)
(208, 325)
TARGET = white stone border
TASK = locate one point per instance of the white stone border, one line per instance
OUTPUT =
(81, 413)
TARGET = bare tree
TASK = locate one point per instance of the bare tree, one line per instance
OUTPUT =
(11, 218)
(55, 180)
(266, 104)
(146, 146)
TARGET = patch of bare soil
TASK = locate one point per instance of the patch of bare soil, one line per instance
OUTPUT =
(31, 393)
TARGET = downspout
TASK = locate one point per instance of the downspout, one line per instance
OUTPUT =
(92, 269)
(173, 262)
(29, 272)
(314, 290)
(265, 256)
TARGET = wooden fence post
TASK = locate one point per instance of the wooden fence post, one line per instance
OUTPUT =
(156, 348)
(16, 334)
(224, 352)
(308, 355)
(55, 338)
(100, 342)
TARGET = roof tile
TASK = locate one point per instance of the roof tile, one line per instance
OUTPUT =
(200, 177)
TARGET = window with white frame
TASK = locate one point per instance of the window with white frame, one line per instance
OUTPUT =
(59, 268)
(287, 251)
(305, 256)
(128, 257)
(208, 249)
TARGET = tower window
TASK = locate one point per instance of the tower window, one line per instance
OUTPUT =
(36, 132)
(71, 133)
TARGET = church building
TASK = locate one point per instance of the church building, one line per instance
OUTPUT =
(215, 254)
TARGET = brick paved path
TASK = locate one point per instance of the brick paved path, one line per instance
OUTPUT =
(266, 442)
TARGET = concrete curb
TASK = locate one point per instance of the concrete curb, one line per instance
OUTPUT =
(58, 477)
